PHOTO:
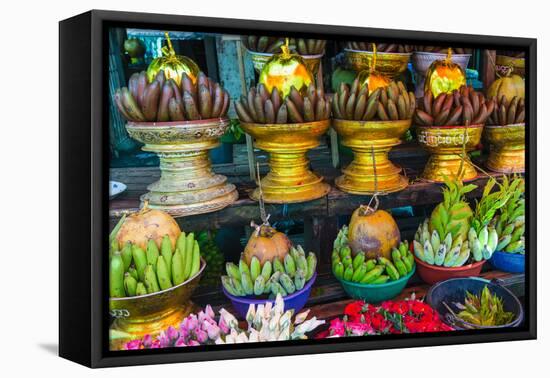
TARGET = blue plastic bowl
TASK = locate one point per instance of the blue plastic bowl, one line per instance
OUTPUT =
(376, 293)
(296, 300)
(508, 262)
(454, 290)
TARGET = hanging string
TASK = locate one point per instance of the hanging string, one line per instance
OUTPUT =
(373, 66)
(263, 215)
(375, 194)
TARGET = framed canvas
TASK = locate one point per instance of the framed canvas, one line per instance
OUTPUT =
(236, 188)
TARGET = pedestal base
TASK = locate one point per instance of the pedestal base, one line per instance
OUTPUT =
(441, 165)
(507, 160)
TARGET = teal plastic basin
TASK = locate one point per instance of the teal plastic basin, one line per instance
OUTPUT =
(376, 293)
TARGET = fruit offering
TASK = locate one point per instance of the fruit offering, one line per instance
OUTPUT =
(383, 104)
(280, 275)
(509, 86)
(442, 239)
(172, 66)
(264, 44)
(464, 106)
(135, 271)
(444, 76)
(159, 99)
(486, 309)
(509, 221)
(443, 50)
(507, 112)
(212, 255)
(380, 47)
(371, 271)
(261, 106)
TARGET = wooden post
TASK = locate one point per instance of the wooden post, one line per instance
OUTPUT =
(319, 235)
(489, 72)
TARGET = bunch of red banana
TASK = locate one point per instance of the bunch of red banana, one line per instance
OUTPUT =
(272, 45)
(163, 100)
(380, 47)
(391, 103)
(460, 107)
(260, 106)
(507, 112)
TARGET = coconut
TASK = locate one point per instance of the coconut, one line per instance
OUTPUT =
(146, 224)
(266, 243)
(373, 232)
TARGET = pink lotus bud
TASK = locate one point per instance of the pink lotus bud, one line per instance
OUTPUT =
(172, 334)
(202, 336)
(193, 343)
(212, 329)
(180, 342)
(223, 326)
(133, 345)
(209, 312)
(147, 341)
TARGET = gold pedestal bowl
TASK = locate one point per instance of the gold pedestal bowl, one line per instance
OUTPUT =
(187, 184)
(260, 59)
(289, 179)
(507, 144)
(506, 65)
(371, 142)
(135, 317)
(445, 144)
(389, 64)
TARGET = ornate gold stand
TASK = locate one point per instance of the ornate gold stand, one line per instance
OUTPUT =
(187, 184)
(445, 144)
(507, 148)
(135, 317)
(289, 179)
(364, 138)
(389, 64)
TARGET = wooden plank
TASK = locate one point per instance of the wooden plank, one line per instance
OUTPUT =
(489, 70)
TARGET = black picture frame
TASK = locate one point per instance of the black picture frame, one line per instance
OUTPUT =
(83, 197)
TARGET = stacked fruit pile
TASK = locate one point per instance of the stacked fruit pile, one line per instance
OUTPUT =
(212, 255)
(272, 45)
(460, 107)
(134, 271)
(507, 112)
(509, 221)
(260, 106)
(384, 104)
(443, 50)
(370, 271)
(163, 100)
(380, 47)
(278, 276)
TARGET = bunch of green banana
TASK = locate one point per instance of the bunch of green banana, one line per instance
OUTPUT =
(213, 257)
(358, 269)
(163, 100)
(510, 219)
(384, 104)
(272, 45)
(430, 248)
(380, 47)
(274, 277)
(260, 106)
(135, 272)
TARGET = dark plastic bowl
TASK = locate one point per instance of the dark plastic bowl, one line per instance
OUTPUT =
(433, 273)
(376, 293)
(454, 290)
(296, 300)
(508, 262)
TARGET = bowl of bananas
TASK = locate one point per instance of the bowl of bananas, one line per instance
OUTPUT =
(260, 281)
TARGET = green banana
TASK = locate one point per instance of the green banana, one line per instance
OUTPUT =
(255, 268)
(226, 282)
(278, 265)
(133, 272)
(358, 260)
(311, 265)
(373, 274)
(236, 284)
(359, 273)
(266, 270)
(419, 250)
(259, 285)
(151, 282)
(246, 283)
(476, 248)
(380, 280)
(233, 271)
(290, 265)
(126, 255)
(452, 256)
(504, 241)
(348, 273)
(116, 276)
(166, 253)
(162, 274)
(286, 282)
(440, 255)
(140, 260)
(178, 275)
(181, 243)
(188, 256)
(339, 271)
(243, 267)
(300, 279)
(152, 253)
(196, 259)
(435, 241)
(140, 289)
(429, 255)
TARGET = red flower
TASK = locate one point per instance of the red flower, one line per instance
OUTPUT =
(354, 309)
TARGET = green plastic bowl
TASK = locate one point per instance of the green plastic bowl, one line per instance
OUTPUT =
(376, 293)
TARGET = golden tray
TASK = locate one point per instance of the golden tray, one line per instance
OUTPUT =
(507, 144)
(289, 179)
(445, 144)
(187, 184)
(389, 64)
(260, 59)
(135, 317)
(367, 139)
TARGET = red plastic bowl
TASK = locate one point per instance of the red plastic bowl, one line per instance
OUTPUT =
(433, 273)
